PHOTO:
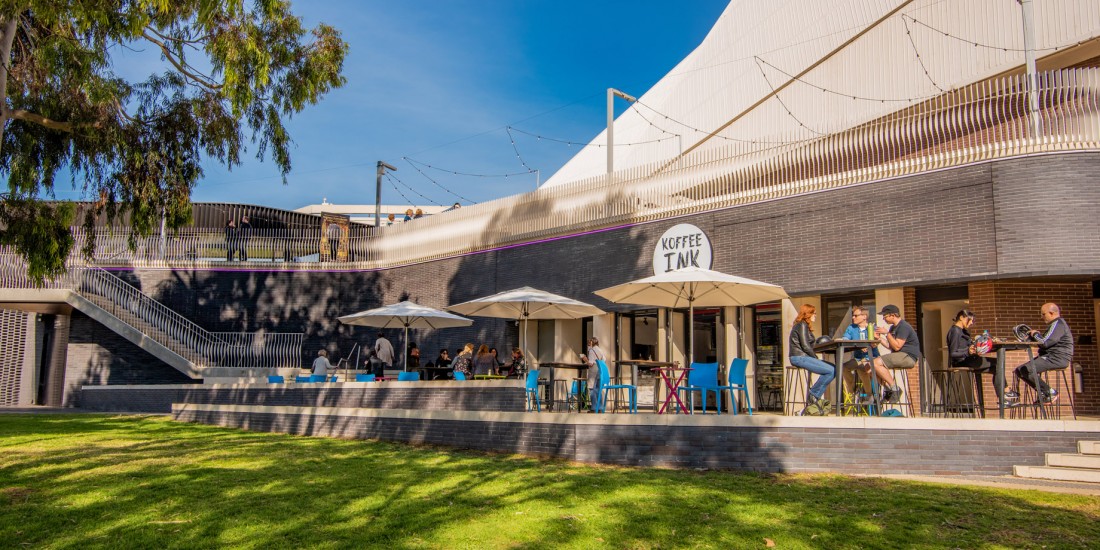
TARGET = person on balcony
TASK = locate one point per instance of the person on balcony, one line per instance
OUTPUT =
(244, 231)
(1055, 352)
(484, 362)
(463, 361)
(860, 363)
(444, 359)
(517, 367)
(594, 353)
(412, 357)
(230, 240)
(904, 350)
(803, 356)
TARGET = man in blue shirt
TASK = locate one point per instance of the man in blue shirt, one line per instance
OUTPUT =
(859, 330)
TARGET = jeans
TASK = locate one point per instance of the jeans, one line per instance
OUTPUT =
(816, 366)
(1038, 366)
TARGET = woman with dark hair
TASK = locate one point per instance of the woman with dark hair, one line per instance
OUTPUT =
(962, 353)
(444, 359)
(412, 358)
(803, 356)
(484, 362)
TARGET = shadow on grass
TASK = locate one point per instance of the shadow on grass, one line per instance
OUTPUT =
(79, 481)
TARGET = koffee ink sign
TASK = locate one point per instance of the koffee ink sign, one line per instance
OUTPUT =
(683, 245)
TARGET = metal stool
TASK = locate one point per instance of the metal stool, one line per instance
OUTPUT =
(1029, 397)
(953, 398)
(901, 380)
(793, 379)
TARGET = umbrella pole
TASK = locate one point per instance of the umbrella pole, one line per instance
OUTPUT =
(691, 333)
(405, 359)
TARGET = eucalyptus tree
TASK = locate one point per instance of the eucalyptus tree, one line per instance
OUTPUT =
(230, 74)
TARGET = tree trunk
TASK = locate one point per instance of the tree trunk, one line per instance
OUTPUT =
(8, 28)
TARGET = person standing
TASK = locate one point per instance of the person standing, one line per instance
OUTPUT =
(484, 362)
(412, 357)
(333, 233)
(383, 350)
(595, 353)
(803, 356)
(463, 360)
(230, 240)
(962, 354)
(904, 350)
(245, 230)
(1055, 352)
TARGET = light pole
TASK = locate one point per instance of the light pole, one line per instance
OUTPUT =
(611, 93)
(382, 167)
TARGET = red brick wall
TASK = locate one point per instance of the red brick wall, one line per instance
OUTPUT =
(909, 312)
(1001, 305)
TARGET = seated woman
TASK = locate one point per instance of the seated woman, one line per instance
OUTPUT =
(464, 362)
(961, 351)
(412, 359)
(444, 359)
(517, 367)
(804, 357)
(484, 362)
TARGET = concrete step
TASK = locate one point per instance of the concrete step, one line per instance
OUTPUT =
(1088, 447)
(1067, 460)
(1061, 474)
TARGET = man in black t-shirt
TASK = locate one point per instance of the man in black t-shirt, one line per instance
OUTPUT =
(904, 350)
(1055, 352)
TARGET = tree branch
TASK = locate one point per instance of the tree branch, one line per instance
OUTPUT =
(20, 114)
(187, 71)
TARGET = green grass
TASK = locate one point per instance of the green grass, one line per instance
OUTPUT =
(79, 481)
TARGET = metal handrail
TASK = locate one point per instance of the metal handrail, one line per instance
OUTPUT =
(164, 325)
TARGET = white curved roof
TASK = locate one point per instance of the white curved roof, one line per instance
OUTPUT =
(888, 54)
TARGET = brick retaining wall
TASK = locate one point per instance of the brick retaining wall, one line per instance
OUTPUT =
(763, 444)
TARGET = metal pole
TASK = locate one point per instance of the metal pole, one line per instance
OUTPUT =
(611, 93)
(382, 167)
(1027, 10)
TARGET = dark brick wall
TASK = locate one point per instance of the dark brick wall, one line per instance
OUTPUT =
(96, 355)
(444, 397)
(772, 449)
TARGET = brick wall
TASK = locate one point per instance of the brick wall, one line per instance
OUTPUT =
(435, 396)
(1001, 305)
(795, 448)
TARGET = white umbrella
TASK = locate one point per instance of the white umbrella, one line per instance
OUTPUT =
(408, 315)
(693, 286)
(526, 303)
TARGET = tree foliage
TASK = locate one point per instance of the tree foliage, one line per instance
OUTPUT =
(232, 71)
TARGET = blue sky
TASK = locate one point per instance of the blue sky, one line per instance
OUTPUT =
(437, 81)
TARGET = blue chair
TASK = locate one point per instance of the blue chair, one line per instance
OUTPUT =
(303, 379)
(577, 392)
(703, 378)
(364, 378)
(408, 377)
(272, 379)
(738, 382)
(531, 389)
(460, 375)
(606, 386)
(318, 378)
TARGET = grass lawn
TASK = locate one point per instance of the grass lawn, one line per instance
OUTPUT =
(79, 481)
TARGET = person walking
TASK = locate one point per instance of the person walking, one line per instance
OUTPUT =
(230, 240)
(383, 350)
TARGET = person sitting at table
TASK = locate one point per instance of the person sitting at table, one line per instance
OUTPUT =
(412, 357)
(496, 359)
(860, 330)
(517, 367)
(962, 354)
(803, 356)
(484, 363)
(590, 358)
(464, 360)
(1055, 352)
(904, 350)
(444, 359)
(321, 366)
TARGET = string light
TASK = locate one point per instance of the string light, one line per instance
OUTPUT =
(571, 143)
(516, 149)
(437, 184)
(410, 188)
(407, 200)
(843, 94)
(456, 173)
(909, 34)
(979, 44)
(780, 100)
(701, 131)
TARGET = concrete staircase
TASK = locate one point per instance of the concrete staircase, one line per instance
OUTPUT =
(1081, 466)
